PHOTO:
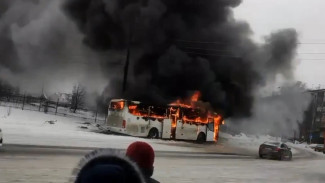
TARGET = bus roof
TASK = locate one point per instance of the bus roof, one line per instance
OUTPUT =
(121, 100)
(117, 100)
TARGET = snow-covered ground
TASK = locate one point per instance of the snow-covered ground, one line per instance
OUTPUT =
(58, 168)
(61, 111)
(78, 113)
(240, 170)
(308, 150)
(34, 128)
(251, 143)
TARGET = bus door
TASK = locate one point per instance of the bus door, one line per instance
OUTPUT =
(187, 128)
(115, 115)
(186, 131)
(166, 128)
(210, 131)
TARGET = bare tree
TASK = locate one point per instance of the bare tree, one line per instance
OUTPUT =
(7, 90)
(78, 97)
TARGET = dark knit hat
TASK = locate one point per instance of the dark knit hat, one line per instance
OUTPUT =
(107, 165)
(142, 154)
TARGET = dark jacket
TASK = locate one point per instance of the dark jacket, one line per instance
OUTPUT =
(151, 180)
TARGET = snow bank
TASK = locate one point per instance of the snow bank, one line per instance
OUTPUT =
(35, 128)
(247, 140)
(250, 143)
(308, 148)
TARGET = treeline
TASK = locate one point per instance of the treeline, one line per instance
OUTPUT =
(7, 90)
(79, 98)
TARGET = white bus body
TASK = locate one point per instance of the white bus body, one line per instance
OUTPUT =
(120, 120)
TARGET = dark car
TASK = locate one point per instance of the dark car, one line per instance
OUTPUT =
(275, 150)
(319, 148)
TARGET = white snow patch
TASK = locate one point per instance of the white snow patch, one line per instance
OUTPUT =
(308, 148)
(250, 142)
(33, 128)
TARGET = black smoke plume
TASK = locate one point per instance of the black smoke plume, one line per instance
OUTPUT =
(181, 46)
(40, 47)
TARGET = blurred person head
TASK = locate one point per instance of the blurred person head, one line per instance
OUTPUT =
(143, 155)
(107, 166)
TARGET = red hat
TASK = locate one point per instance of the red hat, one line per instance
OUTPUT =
(143, 154)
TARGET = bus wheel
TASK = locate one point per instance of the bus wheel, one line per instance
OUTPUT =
(200, 138)
(153, 133)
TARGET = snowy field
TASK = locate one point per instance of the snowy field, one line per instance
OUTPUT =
(34, 128)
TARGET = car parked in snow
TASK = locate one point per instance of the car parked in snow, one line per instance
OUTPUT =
(275, 150)
(312, 146)
(319, 148)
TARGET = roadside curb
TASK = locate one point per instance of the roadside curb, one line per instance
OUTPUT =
(82, 150)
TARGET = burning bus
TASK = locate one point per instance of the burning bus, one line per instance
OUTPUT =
(177, 121)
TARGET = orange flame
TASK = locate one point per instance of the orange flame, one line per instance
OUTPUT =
(133, 109)
(203, 120)
(195, 96)
(188, 104)
(175, 112)
(174, 116)
(117, 105)
(217, 120)
(180, 104)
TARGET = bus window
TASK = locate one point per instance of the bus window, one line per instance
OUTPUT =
(138, 109)
(158, 112)
(211, 126)
(194, 115)
(116, 106)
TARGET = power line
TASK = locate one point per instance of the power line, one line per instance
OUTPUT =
(225, 51)
(206, 49)
(207, 54)
(89, 63)
(311, 59)
(312, 43)
(203, 42)
(311, 53)
(218, 42)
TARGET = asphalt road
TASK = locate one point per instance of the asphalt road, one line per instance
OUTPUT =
(35, 164)
(34, 150)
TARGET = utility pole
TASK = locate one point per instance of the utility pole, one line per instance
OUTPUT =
(96, 113)
(22, 108)
(56, 107)
(315, 98)
(41, 98)
(127, 61)
(126, 67)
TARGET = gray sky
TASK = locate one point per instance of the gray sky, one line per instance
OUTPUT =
(306, 16)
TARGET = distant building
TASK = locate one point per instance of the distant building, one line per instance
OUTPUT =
(63, 98)
(313, 127)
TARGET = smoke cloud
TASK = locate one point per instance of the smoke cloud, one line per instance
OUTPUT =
(278, 114)
(178, 47)
(40, 46)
